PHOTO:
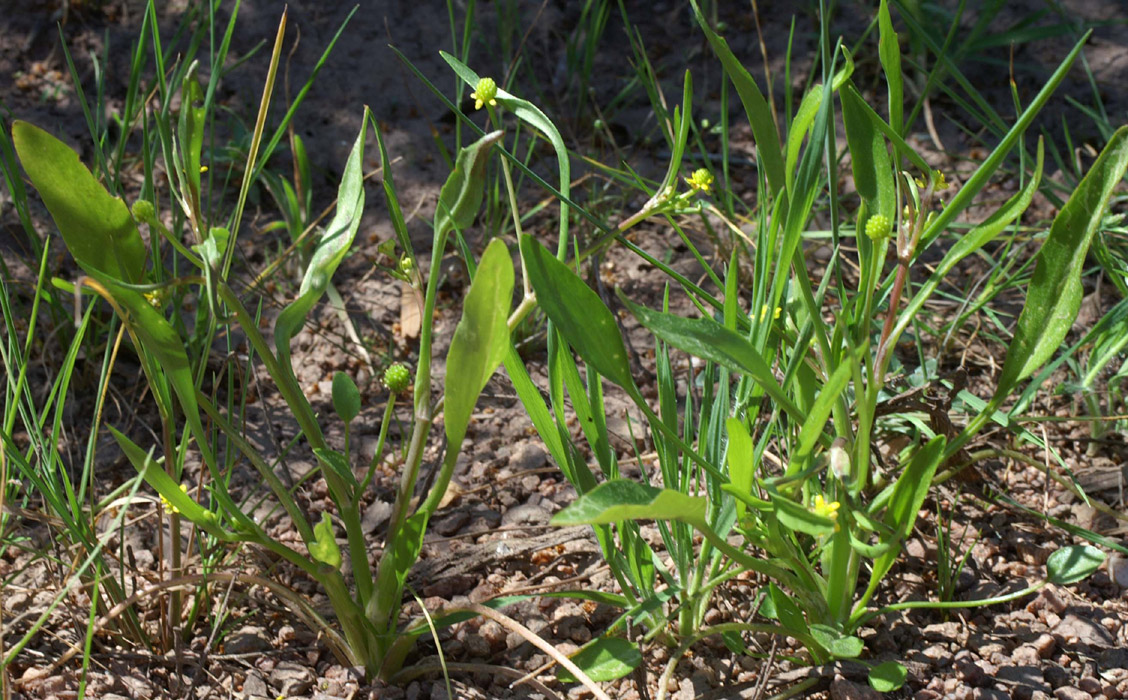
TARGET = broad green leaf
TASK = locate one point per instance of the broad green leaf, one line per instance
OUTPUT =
(96, 227)
(709, 340)
(332, 245)
(164, 484)
(839, 645)
(899, 144)
(461, 196)
(604, 659)
(1069, 565)
(887, 677)
(623, 499)
(337, 463)
(869, 158)
(904, 505)
(346, 397)
(325, 549)
(1054, 295)
(481, 339)
(740, 461)
(755, 106)
(800, 125)
(578, 313)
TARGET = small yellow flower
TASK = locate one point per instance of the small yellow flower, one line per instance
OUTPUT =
(701, 180)
(764, 313)
(824, 509)
(168, 505)
(485, 93)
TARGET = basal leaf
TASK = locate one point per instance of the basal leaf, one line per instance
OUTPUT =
(709, 340)
(96, 226)
(887, 677)
(740, 461)
(1069, 565)
(1054, 295)
(604, 659)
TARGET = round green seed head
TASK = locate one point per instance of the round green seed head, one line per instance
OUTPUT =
(397, 378)
(878, 227)
(143, 210)
(485, 93)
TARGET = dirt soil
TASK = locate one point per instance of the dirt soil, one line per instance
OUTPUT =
(493, 539)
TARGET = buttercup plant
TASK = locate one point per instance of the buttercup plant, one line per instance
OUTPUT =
(826, 530)
(104, 239)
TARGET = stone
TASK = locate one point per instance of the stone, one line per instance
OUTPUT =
(1113, 658)
(842, 689)
(1074, 630)
(1028, 678)
(250, 639)
(255, 686)
(1068, 693)
(291, 678)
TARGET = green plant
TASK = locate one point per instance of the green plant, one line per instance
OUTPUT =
(827, 521)
(103, 237)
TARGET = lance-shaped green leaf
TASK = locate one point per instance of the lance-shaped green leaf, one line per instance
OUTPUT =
(480, 341)
(739, 457)
(869, 158)
(757, 108)
(623, 499)
(332, 245)
(579, 313)
(163, 484)
(1054, 295)
(889, 51)
(96, 226)
(346, 397)
(709, 340)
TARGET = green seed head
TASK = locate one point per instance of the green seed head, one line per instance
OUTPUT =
(485, 93)
(143, 210)
(878, 227)
(397, 378)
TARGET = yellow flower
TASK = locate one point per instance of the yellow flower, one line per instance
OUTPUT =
(824, 509)
(485, 93)
(168, 505)
(701, 180)
(764, 313)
